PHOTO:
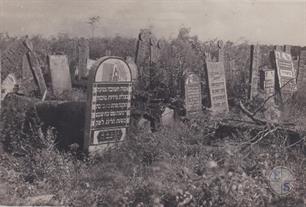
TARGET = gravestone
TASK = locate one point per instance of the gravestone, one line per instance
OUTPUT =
(217, 87)
(90, 63)
(278, 48)
(83, 56)
(108, 104)
(301, 79)
(133, 68)
(266, 82)
(28, 86)
(285, 82)
(37, 73)
(266, 92)
(287, 49)
(167, 118)
(193, 97)
(254, 75)
(143, 48)
(60, 74)
(221, 51)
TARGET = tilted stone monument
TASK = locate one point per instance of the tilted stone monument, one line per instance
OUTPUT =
(193, 95)
(60, 74)
(28, 85)
(108, 104)
(37, 73)
(285, 82)
(217, 87)
(254, 74)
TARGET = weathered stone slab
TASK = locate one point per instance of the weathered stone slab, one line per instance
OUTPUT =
(221, 51)
(38, 75)
(286, 78)
(301, 79)
(60, 74)
(83, 56)
(108, 104)
(167, 118)
(133, 68)
(254, 74)
(193, 95)
(217, 87)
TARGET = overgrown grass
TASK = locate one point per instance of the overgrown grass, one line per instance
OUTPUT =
(188, 165)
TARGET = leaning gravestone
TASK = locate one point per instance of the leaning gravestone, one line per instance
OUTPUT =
(254, 75)
(286, 79)
(60, 75)
(28, 86)
(217, 87)
(193, 98)
(108, 104)
(38, 74)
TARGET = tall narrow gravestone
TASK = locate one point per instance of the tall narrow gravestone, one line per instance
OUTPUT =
(108, 104)
(217, 87)
(83, 56)
(221, 51)
(266, 91)
(254, 75)
(301, 79)
(193, 98)
(60, 75)
(285, 75)
(37, 73)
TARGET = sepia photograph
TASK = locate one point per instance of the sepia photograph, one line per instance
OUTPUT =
(153, 103)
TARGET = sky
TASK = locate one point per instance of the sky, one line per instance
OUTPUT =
(258, 21)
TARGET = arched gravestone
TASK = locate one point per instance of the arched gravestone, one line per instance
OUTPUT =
(193, 98)
(108, 103)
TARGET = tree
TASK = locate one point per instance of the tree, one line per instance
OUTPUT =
(93, 21)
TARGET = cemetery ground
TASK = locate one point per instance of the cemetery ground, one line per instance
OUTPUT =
(204, 161)
(222, 153)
